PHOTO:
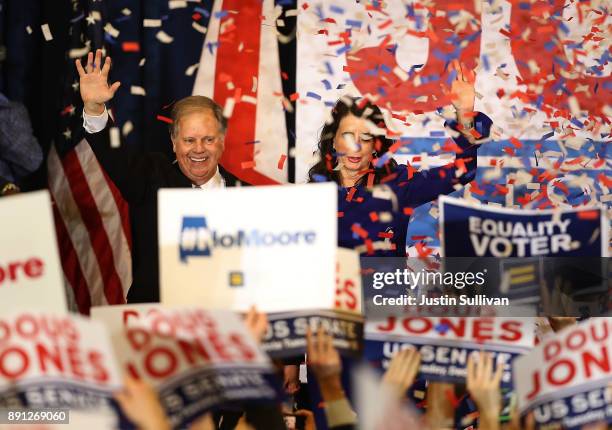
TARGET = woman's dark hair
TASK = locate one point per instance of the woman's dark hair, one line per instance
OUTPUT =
(323, 170)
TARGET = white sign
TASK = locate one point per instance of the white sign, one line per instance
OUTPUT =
(46, 356)
(196, 359)
(30, 273)
(565, 379)
(273, 247)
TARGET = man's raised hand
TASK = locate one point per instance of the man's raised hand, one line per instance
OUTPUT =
(95, 90)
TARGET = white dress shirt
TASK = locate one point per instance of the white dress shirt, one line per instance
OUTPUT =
(96, 123)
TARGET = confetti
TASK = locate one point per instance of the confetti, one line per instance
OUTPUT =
(46, 32)
(130, 46)
(281, 161)
(127, 128)
(176, 4)
(163, 37)
(164, 119)
(115, 140)
(29, 29)
(112, 31)
(137, 91)
(199, 28)
(191, 69)
(151, 23)
(228, 109)
(247, 164)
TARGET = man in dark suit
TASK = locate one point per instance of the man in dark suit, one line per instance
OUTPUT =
(197, 133)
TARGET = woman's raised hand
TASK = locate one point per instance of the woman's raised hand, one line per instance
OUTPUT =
(95, 90)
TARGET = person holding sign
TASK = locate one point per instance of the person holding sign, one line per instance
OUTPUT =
(197, 133)
(356, 153)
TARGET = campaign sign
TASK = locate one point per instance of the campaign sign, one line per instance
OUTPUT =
(475, 230)
(196, 359)
(237, 247)
(565, 380)
(30, 273)
(446, 343)
(341, 318)
(50, 360)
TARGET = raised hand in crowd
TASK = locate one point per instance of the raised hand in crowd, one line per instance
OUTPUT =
(257, 323)
(463, 92)
(140, 403)
(440, 412)
(93, 83)
(324, 361)
(402, 370)
(483, 384)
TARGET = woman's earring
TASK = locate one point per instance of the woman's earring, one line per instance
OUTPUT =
(374, 154)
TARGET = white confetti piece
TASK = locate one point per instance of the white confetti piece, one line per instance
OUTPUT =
(191, 69)
(29, 29)
(291, 12)
(198, 27)
(228, 109)
(111, 30)
(177, 4)
(533, 186)
(280, 23)
(137, 91)
(164, 37)
(249, 99)
(126, 11)
(115, 140)
(230, 86)
(46, 32)
(79, 52)
(142, 62)
(127, 128)
(574, 106)
(254, 86)
(151, 23)
(400, 73)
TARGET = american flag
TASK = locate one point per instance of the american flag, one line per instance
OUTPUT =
(91, 217)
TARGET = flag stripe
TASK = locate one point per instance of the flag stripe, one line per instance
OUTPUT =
(77, 231)
(109, 215)
(92, 219)
(70, 263)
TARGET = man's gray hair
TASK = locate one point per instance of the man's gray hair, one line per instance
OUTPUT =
(192, 104)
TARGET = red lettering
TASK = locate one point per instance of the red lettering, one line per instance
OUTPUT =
(604, 333)
(536, 385)
(18, 369)
(552, 374)
(5, 331)
(603, 363)
(50, 355)
(246, 351)
(26, 326)
(33, 268)
(458, 329)
(74, 359)
(138, 338)
(190, 348)
(129, 313)
(389, 327)
(483, 329)
(551, 349)
(410, 326)
(160, 362)
(512, 331)
(96, 359)
(571, 343)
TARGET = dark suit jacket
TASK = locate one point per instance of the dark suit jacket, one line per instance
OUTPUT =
(139, 176)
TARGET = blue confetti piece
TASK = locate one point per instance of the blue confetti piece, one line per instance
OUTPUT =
(437, 133)
(353, 23)
(441, 328)
(202, 11)
(559, 61)
(319, 178)
(330, 70)
(336, 9)
(485, 62)
(221, 14)
(385, 68)
(122, 18)
(547, 135)
(328, 85)
(524, 6)
(313, 95)
(563, 27)
(372, 72)
(343, 49)
(110, 39)
(77, 18)
(577, 123)
(549, 46)
(451, 77)
(211, 46)
(329, 104)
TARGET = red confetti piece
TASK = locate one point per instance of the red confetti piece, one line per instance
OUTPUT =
(293, 97)
(281, 162)
(517, 143)
(385, 235)
(350, 194)
(607, 182)
(359, 231)
(476, 189)
(374, 216)
(590, 215)
(164, 119)
(340, 214)
(422, 249)
(408, 211)
(130, 46)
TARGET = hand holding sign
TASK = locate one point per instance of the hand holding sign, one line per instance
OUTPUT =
(483, 386)
(402, 370)
(139, 402)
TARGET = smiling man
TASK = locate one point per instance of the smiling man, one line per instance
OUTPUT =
(197, 133)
